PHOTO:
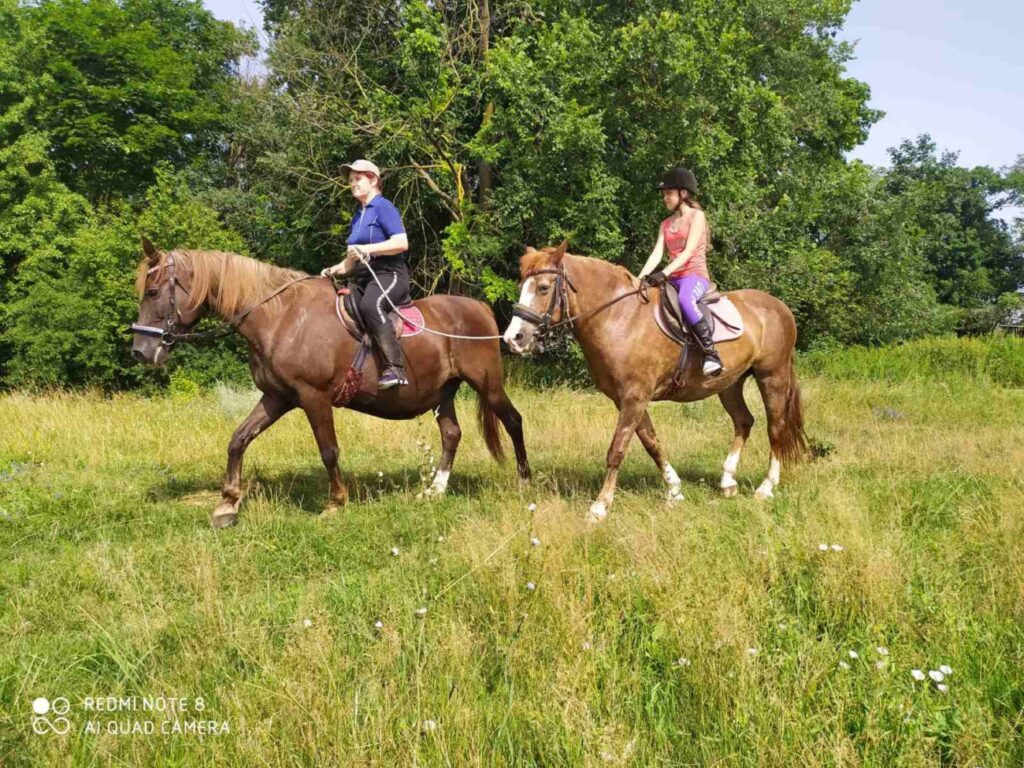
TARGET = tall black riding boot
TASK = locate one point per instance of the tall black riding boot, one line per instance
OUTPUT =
(392, 357)
(702, 333)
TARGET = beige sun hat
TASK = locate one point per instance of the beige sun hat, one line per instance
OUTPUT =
(361, 166)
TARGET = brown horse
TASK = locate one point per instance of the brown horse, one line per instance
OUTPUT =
(299, 353)
(633, 363)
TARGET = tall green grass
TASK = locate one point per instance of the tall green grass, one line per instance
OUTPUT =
(998, 360)
(710, 632)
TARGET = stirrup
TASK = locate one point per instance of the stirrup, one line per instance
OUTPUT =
(712, 367)
(391, 379)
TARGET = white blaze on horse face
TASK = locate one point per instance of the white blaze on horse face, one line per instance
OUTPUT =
(518, 325)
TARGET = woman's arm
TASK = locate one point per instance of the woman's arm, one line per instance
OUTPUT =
(391, 247)
(655, 258)
(698, 229)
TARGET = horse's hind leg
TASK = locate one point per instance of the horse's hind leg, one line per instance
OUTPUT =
(487, 381)
(645, 431)
(742, 421)
(268, 410)
(785, 422)
(448, 423)
(513, 422)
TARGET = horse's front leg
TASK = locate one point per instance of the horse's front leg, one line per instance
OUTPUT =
(268, 410)
(630, 413)
(320, 413)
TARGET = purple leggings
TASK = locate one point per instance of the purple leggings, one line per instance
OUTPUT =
(691, 288)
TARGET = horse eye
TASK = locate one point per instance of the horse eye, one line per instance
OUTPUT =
(544, 289)
(152, 293)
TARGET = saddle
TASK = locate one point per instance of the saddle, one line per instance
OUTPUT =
(408, 321)
(722, 315)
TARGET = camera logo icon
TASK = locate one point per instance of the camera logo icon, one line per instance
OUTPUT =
(49, 716)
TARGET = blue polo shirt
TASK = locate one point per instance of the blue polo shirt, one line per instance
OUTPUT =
(375, 222)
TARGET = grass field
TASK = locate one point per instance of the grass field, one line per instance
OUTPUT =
(710, 632)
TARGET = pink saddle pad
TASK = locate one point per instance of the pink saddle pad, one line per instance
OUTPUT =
(728, 322)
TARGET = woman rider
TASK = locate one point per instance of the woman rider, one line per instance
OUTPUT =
(377, 231)
(685, 235)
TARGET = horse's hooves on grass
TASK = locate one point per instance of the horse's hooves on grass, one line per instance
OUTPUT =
(730, 491)
(674, 495)
(598, 512)
(762, 495)
(330, 512)
(224, 521)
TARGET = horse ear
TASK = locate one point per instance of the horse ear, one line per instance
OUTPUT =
(530, 249)
(556, 257)
(149, 249)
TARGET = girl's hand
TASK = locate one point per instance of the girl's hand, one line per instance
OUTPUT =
(355, 252)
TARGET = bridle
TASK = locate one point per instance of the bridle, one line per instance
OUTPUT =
(169, 336)
(560, 300)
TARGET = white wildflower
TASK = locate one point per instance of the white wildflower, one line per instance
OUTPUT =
(531, 507)
(879, 665)
(935, 675)
(379, 473)
(394, 551)
(823, 547)
(782, 626)
(917, 674)
(534, 541)
(421, 612)
(854, 655)
(882, 650)
(843, 665)
(682, 661)
(943, 688)
(837, 547)
(429, 726)
(307, 623)
(751, 652)
(440, 539)
(587, 645)
(531, 586)
(378, 624)
(946, 670)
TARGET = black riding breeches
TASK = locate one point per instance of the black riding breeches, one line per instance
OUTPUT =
(373, 306)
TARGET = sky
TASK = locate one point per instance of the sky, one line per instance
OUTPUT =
(950, 68)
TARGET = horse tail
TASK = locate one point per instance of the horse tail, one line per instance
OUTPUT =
(488, 419)
(792, 444)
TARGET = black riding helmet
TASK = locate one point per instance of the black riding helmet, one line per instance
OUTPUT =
(679, 178)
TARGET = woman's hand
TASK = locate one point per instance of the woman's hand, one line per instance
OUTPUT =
(357, 252)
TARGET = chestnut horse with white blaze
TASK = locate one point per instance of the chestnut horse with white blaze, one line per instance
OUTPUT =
(633, 362)
(299, 352)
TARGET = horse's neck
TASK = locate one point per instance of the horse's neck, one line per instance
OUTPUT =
(597, 282)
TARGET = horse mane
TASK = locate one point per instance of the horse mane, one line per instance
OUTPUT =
(230, 282)
(533, 260)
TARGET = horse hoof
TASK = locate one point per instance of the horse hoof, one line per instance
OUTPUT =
(730, 490)
(433, 492)
(598, 512)
(674, 494)
(330, 512)
(764, 491)
(225, 520)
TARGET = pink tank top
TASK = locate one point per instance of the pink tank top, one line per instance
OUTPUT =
(675, 242)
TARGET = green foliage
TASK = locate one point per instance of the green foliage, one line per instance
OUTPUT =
(999, 360)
